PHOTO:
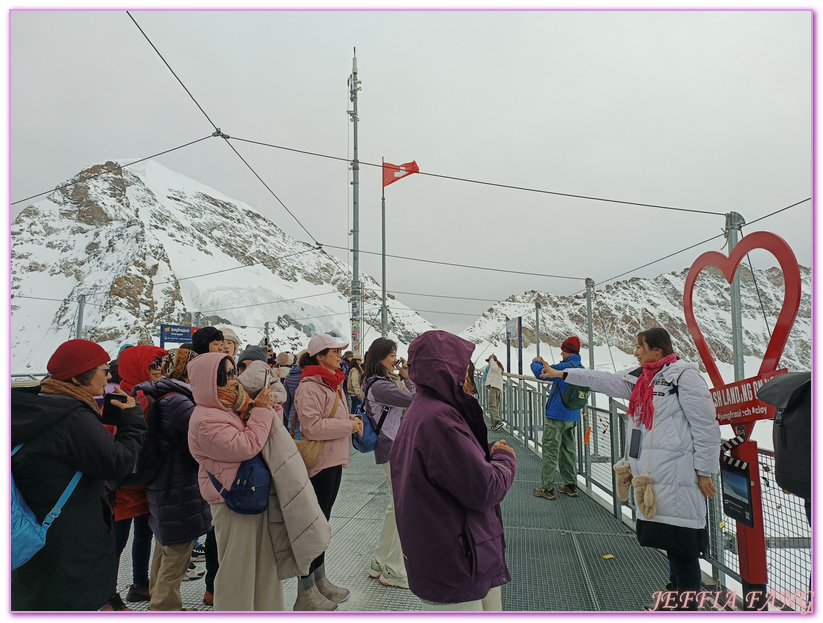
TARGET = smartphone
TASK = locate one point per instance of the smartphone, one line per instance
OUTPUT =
(634, 444)
(266, 378)
(113, 397)
(110, 413)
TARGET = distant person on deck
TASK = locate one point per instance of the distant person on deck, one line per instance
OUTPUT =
(494, 383)
(559, 427)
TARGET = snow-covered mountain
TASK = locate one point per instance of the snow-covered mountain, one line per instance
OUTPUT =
(132, 239)
(624, 308)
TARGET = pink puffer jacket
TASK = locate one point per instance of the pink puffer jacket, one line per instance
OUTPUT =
(218, 439)
(314, 401)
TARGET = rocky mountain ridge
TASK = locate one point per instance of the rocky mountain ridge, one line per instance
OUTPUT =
(624, 308)
(146, 246)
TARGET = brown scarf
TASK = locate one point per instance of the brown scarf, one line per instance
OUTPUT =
(235, 399)
(64, 388)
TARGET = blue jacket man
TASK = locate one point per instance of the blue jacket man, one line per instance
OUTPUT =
(559, 428)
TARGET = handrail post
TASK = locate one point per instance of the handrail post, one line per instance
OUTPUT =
(587, 416)
(615, 453)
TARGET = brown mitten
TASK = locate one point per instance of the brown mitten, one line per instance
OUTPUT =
(644, 496)
(623, 478)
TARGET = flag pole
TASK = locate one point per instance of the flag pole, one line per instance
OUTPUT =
(384, 322)
(356, 295)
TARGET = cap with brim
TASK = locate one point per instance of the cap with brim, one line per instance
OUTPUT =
(322, 341)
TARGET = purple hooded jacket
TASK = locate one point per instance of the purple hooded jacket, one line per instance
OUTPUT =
(447, 485)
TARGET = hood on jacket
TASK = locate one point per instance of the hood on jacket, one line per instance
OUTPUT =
(133, 365)
(158, 389)
(254, 376)
(33, 414)
(203, 379)
(438, 361)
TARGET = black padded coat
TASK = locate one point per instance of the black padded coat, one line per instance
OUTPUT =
(77, 568)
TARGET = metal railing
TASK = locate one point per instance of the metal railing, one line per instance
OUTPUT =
(24, 380)
(601, 442)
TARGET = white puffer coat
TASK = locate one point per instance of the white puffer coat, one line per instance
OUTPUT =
(684, 441)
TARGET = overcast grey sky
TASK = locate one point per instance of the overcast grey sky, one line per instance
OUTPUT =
(706, 110)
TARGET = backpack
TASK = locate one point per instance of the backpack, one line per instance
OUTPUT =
(249, 494)
(28, 536)
(367, 442)
(792, 432)
(574, 396)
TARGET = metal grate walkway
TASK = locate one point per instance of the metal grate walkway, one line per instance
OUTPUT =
(555, 549)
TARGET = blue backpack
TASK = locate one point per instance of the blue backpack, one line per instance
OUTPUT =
(368, 440)
(28, 536)
(249, 494)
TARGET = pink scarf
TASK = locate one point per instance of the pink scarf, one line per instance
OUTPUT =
(641, 402)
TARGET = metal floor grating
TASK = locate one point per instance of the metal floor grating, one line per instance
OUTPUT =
(554, 550)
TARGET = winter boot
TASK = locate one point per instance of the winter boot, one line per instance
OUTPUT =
(327, 589)
(309, 598)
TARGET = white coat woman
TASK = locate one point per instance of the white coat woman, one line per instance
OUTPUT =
(672, 411)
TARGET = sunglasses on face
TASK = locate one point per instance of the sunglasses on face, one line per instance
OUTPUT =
(155, 365)
(231, 373)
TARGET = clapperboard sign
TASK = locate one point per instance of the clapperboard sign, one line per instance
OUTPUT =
(175, 334)
(736, 484)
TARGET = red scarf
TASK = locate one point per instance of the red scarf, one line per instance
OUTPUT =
(332, 379)
(641, 402)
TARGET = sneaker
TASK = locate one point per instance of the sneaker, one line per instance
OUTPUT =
(375, 569)
(208, 598)
(387, 579)
(497, 426)
(193, 573)
(544, 493)
(138, 594)
(115, 604)
(198, 553)
(570, 490)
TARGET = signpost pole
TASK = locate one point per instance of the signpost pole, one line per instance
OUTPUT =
(508, 348)
(734, 221)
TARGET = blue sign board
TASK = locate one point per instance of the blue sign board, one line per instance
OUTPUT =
(176, 334)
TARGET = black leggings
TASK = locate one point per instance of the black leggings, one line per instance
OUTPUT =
(684, 575)
(212, 563)
(326, 484)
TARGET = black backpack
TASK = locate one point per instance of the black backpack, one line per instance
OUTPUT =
(791, 394)
(575, 396)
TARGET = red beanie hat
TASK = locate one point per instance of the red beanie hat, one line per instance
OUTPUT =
(75, 357)
(571, 345)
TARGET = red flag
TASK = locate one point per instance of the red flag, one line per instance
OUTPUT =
(394, 172)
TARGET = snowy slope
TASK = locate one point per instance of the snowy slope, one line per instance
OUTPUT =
(623, 309)
(132, 240)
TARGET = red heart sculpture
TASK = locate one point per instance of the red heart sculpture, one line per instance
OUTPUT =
(728, 266)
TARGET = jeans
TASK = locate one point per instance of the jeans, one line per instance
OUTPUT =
(355, 402)
(140, 547)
